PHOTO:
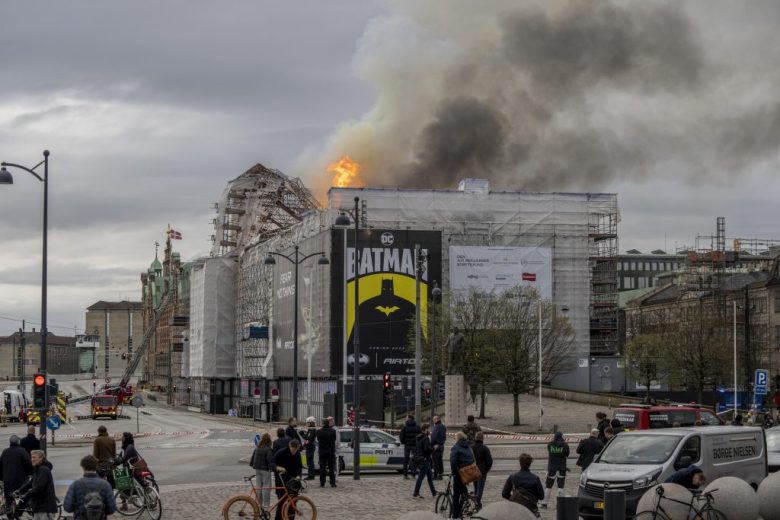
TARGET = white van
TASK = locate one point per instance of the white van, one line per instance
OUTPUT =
(634, 461)
(13, 402)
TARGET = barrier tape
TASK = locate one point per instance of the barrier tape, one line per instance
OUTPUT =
(118, 436)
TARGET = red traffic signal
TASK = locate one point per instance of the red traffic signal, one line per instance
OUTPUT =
(39, 380)
(387, 382)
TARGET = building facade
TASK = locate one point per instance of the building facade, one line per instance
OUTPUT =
(118, 327)
(23, 358)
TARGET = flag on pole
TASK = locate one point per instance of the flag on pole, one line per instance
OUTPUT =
(173, 234)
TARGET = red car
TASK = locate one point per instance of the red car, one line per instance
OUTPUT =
(648, 417)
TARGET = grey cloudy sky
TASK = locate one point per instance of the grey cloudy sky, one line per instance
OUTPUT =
(149, 108)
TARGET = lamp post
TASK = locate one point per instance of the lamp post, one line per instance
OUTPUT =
(7, 178)
(296, 261)
(343, 221)
(735, 359)
(435, 300)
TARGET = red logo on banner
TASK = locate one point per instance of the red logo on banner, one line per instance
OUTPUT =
(529, 277)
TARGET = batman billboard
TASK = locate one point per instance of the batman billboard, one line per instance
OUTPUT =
(387, 297)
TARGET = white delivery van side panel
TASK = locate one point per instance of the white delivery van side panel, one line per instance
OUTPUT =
(739, 454)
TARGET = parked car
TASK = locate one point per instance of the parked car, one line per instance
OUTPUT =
(635, 461)
(379, 450)
(650, 417)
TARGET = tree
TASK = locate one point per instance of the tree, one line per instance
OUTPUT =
(644, 359)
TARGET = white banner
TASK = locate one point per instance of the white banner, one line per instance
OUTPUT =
(492, 269)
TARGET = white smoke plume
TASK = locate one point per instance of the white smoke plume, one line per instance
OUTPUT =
(558, 95)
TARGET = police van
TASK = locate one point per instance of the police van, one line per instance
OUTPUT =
(637, 460)
(379, 450)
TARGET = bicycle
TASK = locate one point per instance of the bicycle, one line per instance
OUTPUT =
(705, 512)
(133, 497)
(19, 508)
(443, 504)
(292, 504)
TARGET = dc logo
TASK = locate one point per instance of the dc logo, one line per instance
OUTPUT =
(387, 239)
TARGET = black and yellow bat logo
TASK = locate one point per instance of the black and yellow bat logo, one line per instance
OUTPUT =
(387, 310)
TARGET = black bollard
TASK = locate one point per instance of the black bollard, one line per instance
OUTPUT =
(567, 508)
(614, 504)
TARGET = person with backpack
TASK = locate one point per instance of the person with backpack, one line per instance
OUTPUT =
(471, 428)
(524, 487)
(557, 453)
(484, 461)
(407, 436)
(423, 449)
(90, 497)
(43, 500)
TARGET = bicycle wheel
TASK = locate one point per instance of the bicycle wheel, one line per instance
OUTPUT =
(241, 506)
(710, 514)
(130, 501)
(153, 503)
(299, 508)
(443, 505)
(652, 515)
(468, 507)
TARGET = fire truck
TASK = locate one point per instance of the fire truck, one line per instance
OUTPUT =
(124, 394)
(104, 405)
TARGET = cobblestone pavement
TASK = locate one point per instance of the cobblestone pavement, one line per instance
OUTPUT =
(384, 497)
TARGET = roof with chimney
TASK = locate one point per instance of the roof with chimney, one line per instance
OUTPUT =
(124, 305)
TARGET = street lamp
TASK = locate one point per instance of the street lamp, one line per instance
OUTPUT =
(435, 300)
(343, 221)
(7, 178)
(296, 261)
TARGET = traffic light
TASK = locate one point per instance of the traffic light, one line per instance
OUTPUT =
(439, 391)
(387, 384)
(427, 392)
(39, 391)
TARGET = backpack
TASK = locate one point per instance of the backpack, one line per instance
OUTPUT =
(92, 506)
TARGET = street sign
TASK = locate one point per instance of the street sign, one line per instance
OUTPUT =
(53, 422)
(137, 401)
(761, 382)
(257, 439)
(108, 379)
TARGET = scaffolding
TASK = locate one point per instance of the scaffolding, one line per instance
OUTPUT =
(255, 206)
(603, 249)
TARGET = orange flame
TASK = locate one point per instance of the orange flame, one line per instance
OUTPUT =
(346, 173)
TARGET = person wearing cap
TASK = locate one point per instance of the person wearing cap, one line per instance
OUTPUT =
(557, 453)
(310, 445)
(588, 448)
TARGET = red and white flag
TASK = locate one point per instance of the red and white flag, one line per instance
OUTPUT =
(529, 277)
(173, 234)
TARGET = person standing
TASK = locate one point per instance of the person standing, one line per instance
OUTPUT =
(424, 449)
(89, 484)
(438, 439)
(407, 436)
(43, 500)
(15, 467)
(524, 487)
(31, 442)
(617, 426)
(288, 467)
(104, 450)
(460, 456)
(310, 446)
(281, 441)
(557, 453)
(326, 445)
(262, 462)
(588, 448)
(602, 422)
(471, 428)
(484, 461)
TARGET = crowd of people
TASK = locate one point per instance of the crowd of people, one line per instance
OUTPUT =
(28, 483)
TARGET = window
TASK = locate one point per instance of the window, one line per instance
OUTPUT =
(672, 418)
(709, 419)
(692, 449)
(633, 268)
(655, 266)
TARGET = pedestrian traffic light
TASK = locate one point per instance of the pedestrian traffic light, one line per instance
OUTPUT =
(39, 391)
(439, 391)
(387, 384)
(427, 392)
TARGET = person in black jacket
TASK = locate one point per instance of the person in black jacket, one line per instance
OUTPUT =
(407, 436)
(557, 453)
(531, 486)
(326, 445)
(617, 426)
(423, 449)
(291, 432)
(438, 439)
(460, 455)
(602, 424)
(310, 446)
(281, 441)
(484, 461)
(288, 467)
(15, 467)
(588, 449)
(41, 494)
(30, 442)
